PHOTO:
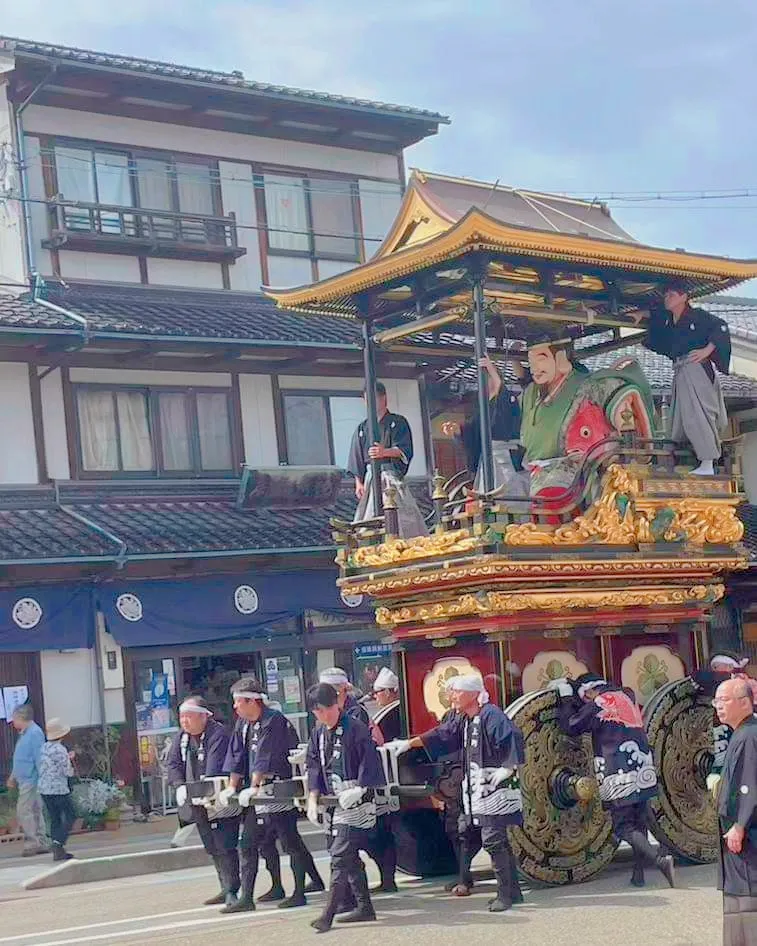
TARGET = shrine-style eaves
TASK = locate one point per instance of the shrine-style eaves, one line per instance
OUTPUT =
(542, 261)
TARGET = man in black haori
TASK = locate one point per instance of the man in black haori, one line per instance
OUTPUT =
(737, 813)
(342, 764)
(623, 762)
(699, 345)
(258, 754)
(492, 750)
(394, 450)
(199, 751)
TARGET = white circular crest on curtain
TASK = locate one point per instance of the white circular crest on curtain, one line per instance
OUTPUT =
(27, 613)
(246, 599)
(352, 601)
(129, 607)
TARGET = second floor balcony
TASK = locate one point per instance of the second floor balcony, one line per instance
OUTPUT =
(109, 228)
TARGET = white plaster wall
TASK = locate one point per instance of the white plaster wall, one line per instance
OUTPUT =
(258, 420)
(18, 457)
(43, 119)
(190, 274)
(54, 424)
(403, 397)
(12, 267)
(69, 685)
(36, 185)
(238, 198)
(99, 267)
(743, 362)
(284, 272)
(304, 383)
(214, 379)
(379, 203)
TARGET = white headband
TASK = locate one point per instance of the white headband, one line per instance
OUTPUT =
(470, 683)
(729, 661)
(591, 685)
(189, 707)
(249, 695)
(335, 677)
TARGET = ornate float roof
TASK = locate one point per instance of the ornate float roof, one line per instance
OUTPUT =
(548, 258)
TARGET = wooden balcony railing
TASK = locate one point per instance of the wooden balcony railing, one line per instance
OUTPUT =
(133, 230)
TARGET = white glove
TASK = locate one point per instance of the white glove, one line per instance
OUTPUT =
(226, 795)
(246, 795)
(500, 775)
(181, 795)
(562, 686)
(312, 810)
(351, 797)
(713, 781)
(398, 746)
(297, 756)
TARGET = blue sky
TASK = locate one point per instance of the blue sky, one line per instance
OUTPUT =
(587, 96)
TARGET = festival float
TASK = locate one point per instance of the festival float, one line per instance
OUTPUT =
(615, 557)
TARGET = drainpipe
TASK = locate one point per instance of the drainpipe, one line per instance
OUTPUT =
(37, 283)
(23, 182)
(99, 629)
(121, 557)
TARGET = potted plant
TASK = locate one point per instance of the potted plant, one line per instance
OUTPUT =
(93, 799)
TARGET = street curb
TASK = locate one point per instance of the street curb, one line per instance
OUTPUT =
(91, 869)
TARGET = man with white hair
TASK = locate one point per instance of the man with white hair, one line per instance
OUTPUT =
(198, 752)
(387, 717)
(492, 750)
(338, 679)
(737, 812)
(25, 776)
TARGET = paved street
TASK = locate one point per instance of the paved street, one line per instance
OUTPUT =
(165, 908)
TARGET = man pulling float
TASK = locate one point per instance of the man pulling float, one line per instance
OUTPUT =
(492, 752)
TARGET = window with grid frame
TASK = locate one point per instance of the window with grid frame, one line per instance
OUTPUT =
(144, 180)
(152, 431)
(318, 426)
(311, 217)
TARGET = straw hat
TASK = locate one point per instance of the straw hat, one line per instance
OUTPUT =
(56, 729)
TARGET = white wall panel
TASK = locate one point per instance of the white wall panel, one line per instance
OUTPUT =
(44, 119)
(18, 455)
(258, 420)
(54, 424)
(287, 271)
(189, 274)
(214, 379)
(98, 267)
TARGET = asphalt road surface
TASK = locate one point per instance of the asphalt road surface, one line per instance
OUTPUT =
(166, 909)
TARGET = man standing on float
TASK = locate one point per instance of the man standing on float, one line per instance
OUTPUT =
(492, 750)
(394, 451)
(698, 343)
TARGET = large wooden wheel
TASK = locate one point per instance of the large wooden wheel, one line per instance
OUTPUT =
(566, 835)
(679, 719)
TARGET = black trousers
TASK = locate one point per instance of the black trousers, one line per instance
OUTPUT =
(491, 835)
(60, 810)
(630, 824)
(381, 847)
(219, 838)
(259, 835)
(347, 871)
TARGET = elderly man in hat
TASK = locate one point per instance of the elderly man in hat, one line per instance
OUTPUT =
(492, 750)
(737, 812)
(623, 761)
(259, 755)
(198, 752)
(337, 678)
(55, 770)
(699, 345)
(387, 724)
(343, 763)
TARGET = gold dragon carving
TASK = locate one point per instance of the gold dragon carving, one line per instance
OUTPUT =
(396, 551)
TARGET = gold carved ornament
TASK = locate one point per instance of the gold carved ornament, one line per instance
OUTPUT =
(621, 516)
(499, 602)
(396, 551)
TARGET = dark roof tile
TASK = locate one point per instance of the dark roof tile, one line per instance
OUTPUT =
(234, 80)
